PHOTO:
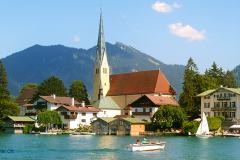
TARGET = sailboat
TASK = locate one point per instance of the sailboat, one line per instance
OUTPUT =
(203, 130)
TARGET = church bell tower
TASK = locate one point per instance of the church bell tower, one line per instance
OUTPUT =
(101, 67)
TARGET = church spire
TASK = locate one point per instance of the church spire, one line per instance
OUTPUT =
(101, 47)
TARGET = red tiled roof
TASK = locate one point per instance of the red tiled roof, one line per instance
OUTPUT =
(127, 108)
(139, 83)
(61, 100)
(87, 108)
(160, 100)
(26, 96)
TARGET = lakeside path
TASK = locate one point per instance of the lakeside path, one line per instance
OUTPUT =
(30, 146)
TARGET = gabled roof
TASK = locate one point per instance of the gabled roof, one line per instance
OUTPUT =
(24, 119)
(156, 100)
(87, 108)
(133, 120)
(59, 100)
(211, 91)
(139, 83)
(124, 116)
(106, 103)
(26, 96)
(160, 100)
(108, 119)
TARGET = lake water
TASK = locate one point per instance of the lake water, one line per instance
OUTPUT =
(30, 146)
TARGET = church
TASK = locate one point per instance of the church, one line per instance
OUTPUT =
(113, 94)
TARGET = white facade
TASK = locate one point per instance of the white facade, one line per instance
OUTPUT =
(82, 117)
(223, 101)
(109, 112)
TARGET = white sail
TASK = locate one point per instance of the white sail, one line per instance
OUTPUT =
(203, 127)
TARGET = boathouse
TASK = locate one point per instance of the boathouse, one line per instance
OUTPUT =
(16, 124)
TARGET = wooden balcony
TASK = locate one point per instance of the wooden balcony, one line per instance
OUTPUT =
(31, 114)
(70, 116)
(40, 106)
(223, 109)
(223, 98)
(141, 113)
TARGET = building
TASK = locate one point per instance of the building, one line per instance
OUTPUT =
(118, 126)
(144, 107)
(222, 101)
(127, 87)
(24, 98)
(16, 124)
(73, 116)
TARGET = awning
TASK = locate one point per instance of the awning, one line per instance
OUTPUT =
(235, 126)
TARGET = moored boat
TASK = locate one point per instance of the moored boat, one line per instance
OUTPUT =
(88, 133)
(49, 133)
(203, 129)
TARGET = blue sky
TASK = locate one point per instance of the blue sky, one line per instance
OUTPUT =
(170, 31)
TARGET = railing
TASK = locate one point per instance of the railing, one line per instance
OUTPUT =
(31, 114)
(223, 109)
(40, 106)
(70, 116)
(223, 98)
(141, 113)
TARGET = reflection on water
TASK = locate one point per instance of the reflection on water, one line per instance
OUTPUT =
(113, 147)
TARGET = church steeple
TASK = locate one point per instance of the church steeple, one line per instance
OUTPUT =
(101, 46)
(101, 67)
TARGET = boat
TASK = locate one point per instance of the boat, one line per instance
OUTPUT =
(153, 144)
(203, 129)
(49, 133)
(88, 133)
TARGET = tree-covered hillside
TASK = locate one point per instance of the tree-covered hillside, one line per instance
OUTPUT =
(37, 63)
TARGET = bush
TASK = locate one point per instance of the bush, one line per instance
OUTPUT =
(147, 123)
(190, 126)
(28, 128)
(2, 129)
(214, 123)
(221, 117)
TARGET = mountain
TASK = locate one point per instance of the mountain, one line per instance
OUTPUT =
(37, 63)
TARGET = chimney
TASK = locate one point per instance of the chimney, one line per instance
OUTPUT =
(54, 96)
(72, 101)
(83, 104)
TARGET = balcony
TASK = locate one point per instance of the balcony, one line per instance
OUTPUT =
(141, 113)
(70, 116)
(223, 98)
(31, 114)
(14, 125)
(40, 106)
(223, 109)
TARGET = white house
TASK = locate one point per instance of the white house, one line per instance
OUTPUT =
(48, 102)
(73, 116)
(222, 101)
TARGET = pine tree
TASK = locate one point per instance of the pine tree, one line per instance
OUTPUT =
(4, 92)
(79, 92)
(230, 80)
(214, 71)
(187, 97)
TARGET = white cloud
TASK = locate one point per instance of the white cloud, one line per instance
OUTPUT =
(186, 32)
(165, 8)
(76, 38)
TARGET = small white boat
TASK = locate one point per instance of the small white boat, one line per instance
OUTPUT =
(88, 133)
(203, 129)
(52, 133)
(154, 145)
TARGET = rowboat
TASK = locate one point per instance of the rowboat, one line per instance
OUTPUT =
(49, 133)
(152, 144)
(88, 133)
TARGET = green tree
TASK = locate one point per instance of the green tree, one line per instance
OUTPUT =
(8, 108)
(230, 80)
(187, 97)
(214, 71)
(30, 85)
(169, 116)
(48, 117)
(79, 92)
(4, 92)
(52, 85)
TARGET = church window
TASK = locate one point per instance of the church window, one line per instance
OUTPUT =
(97, 70)
(104, 70)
